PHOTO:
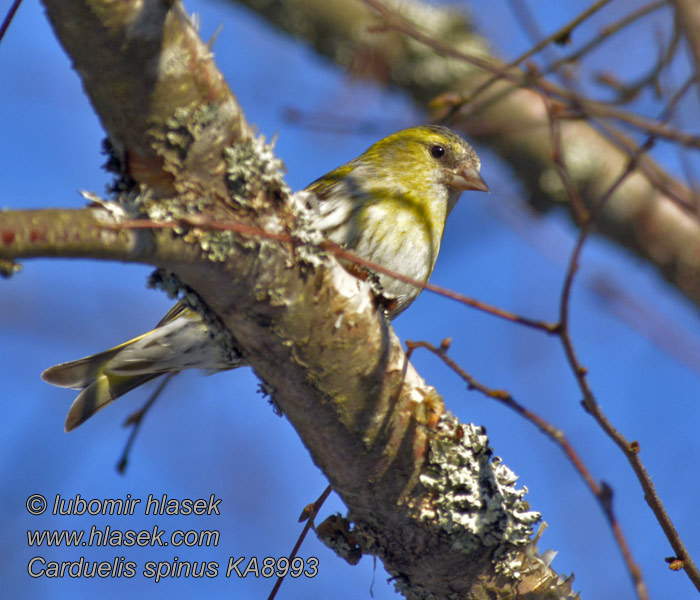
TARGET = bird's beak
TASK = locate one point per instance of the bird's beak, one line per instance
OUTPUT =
(467, 178)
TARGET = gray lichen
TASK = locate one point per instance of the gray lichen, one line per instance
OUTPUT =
(474, 498)
(307, 236)
(188, 124)
(251, 166)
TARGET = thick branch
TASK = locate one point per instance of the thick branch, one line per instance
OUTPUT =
(152, 82)
(67, 234)
(513, 124)
(95, 232)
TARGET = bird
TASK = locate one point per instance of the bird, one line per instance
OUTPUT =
(389, 206)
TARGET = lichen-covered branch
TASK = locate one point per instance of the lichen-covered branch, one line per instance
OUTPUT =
(166, 107)
(511, 121)
(422, 490)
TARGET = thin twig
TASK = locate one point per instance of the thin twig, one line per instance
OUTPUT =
(557, 35)
(309, 514)
(688, 20)
(627, 92)
(617, 300)
(604, 34)
(669, 187)
(135, 420)
(8, 18)
(578, 208)
(681, 197)
(339, 252)
(630, 449)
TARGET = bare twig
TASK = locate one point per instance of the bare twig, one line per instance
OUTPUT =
(339, 252)
(629, 91)
(559, 34)
(630, 449)
(658, 180)
(605, 33)
(8, 18)
(309, 514)
(579, 210)
(135, 420)
(636, 312)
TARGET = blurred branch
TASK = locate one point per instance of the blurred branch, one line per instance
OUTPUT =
(605, 33)
(652, 213)
(69, 234)
(688, 20)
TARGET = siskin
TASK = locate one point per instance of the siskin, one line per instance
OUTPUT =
(389, 205)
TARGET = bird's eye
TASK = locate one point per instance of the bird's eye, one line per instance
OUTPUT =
(437, 151)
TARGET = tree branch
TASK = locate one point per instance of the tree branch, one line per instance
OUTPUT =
(688, 20)
(68, 234)
(154, 84)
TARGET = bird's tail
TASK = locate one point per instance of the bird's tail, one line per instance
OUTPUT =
(99, 386)
(180, 341)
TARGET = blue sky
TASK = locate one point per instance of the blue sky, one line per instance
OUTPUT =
(216, 435)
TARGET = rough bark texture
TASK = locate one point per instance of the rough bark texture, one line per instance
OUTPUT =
(421, 489)
(152, 82)
(511, 121)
